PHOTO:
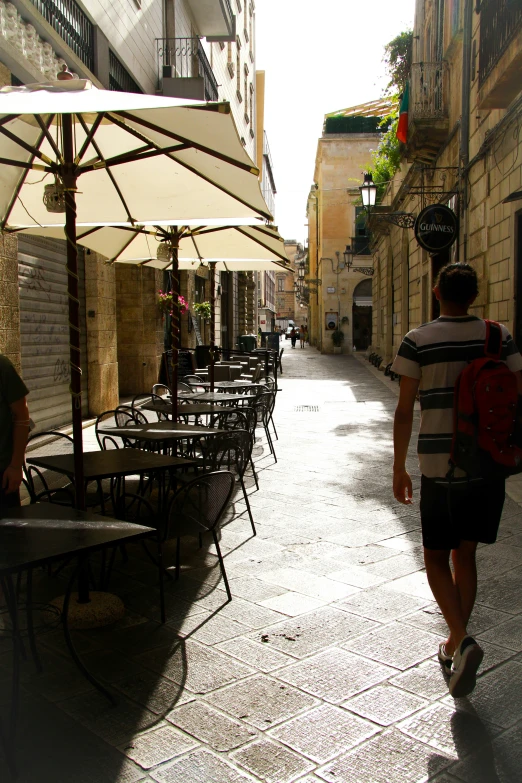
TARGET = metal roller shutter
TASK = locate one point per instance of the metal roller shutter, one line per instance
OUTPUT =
(44, 329)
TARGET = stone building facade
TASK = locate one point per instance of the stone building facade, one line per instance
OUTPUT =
(464, 150)
(335, 222)
(128, 49)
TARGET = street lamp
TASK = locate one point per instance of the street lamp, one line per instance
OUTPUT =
(348, 254)
(368, 192)
(369, 197)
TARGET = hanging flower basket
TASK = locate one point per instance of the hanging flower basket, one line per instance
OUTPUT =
(202, 310)
(167, 302)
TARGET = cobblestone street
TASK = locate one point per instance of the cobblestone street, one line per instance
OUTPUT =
(323, 667)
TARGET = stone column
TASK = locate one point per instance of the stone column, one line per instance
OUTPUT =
(140, 328)
(10, 300)
(100, 305)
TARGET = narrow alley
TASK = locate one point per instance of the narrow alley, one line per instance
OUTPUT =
(323, 666)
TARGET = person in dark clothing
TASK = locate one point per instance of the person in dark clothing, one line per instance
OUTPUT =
(14, 429)
(293, 336)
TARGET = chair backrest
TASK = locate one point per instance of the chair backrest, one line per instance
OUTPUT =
(107, 419)
(198, 506)
(161, 390)
(221, 372)
(124, 416)
(231, 419)
(39, 479)
(184, 386)
(229, 451)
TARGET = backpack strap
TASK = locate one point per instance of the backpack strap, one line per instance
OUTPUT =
(493, 345)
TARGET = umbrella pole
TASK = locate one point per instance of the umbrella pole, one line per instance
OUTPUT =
(174, 246)
(212, 322)
(69, 180)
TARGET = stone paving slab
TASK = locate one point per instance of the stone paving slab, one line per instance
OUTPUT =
(323, 667)
(261, 701)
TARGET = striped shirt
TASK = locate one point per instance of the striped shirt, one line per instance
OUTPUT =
(435, 354)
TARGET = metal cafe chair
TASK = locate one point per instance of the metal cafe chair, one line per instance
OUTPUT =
(263, 407)
(198, 508)
(239, 419)
(231, 451)
(161, 390)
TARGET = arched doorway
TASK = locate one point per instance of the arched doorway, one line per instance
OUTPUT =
(362, 315)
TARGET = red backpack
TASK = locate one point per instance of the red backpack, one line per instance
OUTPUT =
(484, 414)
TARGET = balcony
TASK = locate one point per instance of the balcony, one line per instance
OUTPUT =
(184, 70)
(500, 53)
(214, 19)
(72, 25)
(428, 112)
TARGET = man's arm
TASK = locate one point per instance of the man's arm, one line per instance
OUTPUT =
(13, 474)
(402, 426)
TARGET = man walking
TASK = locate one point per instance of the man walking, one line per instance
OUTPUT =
(14, 429)
(454, 518)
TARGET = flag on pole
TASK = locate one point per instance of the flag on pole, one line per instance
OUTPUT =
(402, 127)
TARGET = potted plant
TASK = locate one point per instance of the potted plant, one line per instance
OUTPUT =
(337, 339)
(167, 303)
(202, 310)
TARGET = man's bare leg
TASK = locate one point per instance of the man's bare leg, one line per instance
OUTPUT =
(465, 581)
(446, 593)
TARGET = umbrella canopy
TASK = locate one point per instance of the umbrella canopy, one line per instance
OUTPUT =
(222, 248)
(150, 246)
(138, 158)
(72, 154)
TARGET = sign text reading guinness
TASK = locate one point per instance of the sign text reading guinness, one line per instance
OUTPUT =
(436, 228)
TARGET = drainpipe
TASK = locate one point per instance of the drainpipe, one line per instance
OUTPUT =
(465, 124)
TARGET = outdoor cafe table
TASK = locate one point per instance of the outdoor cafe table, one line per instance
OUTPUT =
(227, 385)
(195, 408)
(113, 463)
(222, 398)
(160, 432)
(38, 535)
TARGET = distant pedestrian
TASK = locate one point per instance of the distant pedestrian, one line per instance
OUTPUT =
(302, 335)
(293, 336)
(14, 429)
(457, 512)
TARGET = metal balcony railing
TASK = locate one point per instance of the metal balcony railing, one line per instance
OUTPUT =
(427, 91)
(70, 22)
(119, 77)
(183, 58)
(499, 22)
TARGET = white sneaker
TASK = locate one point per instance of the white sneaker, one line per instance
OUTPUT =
(445, 659)
(466, 661)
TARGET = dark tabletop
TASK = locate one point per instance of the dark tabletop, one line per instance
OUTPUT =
(226, 384)
(194, 409)
(220, 397)
(114, 462)
(160, 431)
(37, 534)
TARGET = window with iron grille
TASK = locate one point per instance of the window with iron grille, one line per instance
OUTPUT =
(74, 27)
(119, 77)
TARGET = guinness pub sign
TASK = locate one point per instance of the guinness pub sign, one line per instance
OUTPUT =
(436, 228)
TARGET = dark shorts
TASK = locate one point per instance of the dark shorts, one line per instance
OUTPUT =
(11, 500)
(464, 512)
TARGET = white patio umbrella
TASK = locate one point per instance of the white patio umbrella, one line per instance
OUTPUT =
(71, 154)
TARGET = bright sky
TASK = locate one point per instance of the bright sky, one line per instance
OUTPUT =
(319, 56)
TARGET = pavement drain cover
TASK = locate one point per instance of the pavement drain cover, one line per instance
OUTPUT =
(306, 409)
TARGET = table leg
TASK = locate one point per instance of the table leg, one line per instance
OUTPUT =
(30, 625)
(79, 663)
(8, 738)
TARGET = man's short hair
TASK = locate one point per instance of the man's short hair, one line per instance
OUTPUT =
(457, 283)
